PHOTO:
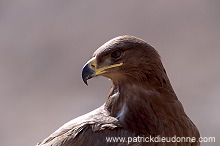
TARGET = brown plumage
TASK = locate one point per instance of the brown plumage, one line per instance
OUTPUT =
(141, 102)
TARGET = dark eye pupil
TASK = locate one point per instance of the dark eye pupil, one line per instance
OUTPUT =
(116, 54)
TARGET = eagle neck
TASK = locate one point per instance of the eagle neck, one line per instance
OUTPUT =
(129, 103)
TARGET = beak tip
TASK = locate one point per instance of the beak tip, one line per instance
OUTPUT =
(85, 81)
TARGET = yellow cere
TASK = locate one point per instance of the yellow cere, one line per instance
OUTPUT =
(102, 70)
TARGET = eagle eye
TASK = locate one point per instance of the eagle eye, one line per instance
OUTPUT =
(116, 54)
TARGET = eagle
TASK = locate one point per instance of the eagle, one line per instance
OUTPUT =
(141, 104)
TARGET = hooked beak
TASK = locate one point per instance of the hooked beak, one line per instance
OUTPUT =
(90, 69)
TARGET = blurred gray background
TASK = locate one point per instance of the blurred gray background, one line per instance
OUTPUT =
(45, 43)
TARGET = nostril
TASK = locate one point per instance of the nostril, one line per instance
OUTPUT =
(92, 65)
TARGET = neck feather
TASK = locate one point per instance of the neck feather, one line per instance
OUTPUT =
(139, 103)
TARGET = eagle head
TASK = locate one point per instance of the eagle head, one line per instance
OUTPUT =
(126, 59)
